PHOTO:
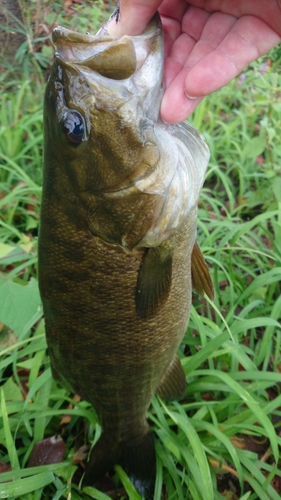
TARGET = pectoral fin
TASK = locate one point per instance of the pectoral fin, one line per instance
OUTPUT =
(173, 384)
(154, 280)
(201, 279)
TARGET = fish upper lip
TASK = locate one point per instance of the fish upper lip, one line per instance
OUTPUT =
(76, 48)
(59, 32)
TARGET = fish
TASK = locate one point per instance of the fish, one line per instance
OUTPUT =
(118, 256)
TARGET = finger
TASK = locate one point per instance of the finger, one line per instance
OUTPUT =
(173, 10)
(134, 17)
(176, 108)
(210, 31)
(269, 11)
(248, 39)
(172, 31)
(178, 53)
(216, 28)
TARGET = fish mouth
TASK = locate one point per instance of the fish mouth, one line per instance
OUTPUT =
(113, 57)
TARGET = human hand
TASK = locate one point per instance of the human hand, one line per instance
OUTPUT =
(207, 43)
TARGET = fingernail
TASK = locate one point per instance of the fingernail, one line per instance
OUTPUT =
(191, 96)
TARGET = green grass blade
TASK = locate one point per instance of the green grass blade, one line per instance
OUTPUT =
(94, 493)
(200, 424)
(9, 442)
(252, 404)
(129, 487)
(199, 454)
(22, 486)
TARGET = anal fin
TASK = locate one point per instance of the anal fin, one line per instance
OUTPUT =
(154, 280)
(201, 279)
(173, 383)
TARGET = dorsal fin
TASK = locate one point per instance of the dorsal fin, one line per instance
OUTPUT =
(201, 279)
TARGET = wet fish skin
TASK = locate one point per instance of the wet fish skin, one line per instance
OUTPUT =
(117, 233)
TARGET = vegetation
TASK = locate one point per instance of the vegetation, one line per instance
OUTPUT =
(223, 440)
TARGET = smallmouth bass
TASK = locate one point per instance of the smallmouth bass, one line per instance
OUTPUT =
(117, 244)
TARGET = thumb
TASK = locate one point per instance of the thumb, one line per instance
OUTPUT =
(133, 17)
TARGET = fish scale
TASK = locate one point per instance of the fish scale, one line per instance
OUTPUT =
(117, 252)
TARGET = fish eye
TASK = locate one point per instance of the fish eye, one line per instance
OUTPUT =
(73, 125)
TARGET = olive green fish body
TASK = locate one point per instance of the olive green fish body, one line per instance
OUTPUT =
(117, 236)
(98, 344)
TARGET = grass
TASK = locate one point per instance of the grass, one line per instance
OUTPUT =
(223, 440)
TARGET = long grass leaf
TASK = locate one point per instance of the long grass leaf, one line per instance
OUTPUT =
(39, 382)
(94, 493)
(200, 424)
(252, 404)
(9, 442)
(21, 487)
(199, 453)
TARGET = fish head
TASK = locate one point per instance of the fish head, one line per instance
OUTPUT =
(101, 103)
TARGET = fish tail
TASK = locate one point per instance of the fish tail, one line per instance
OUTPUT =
(138, 460)
(136, 456)
(103, 457)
